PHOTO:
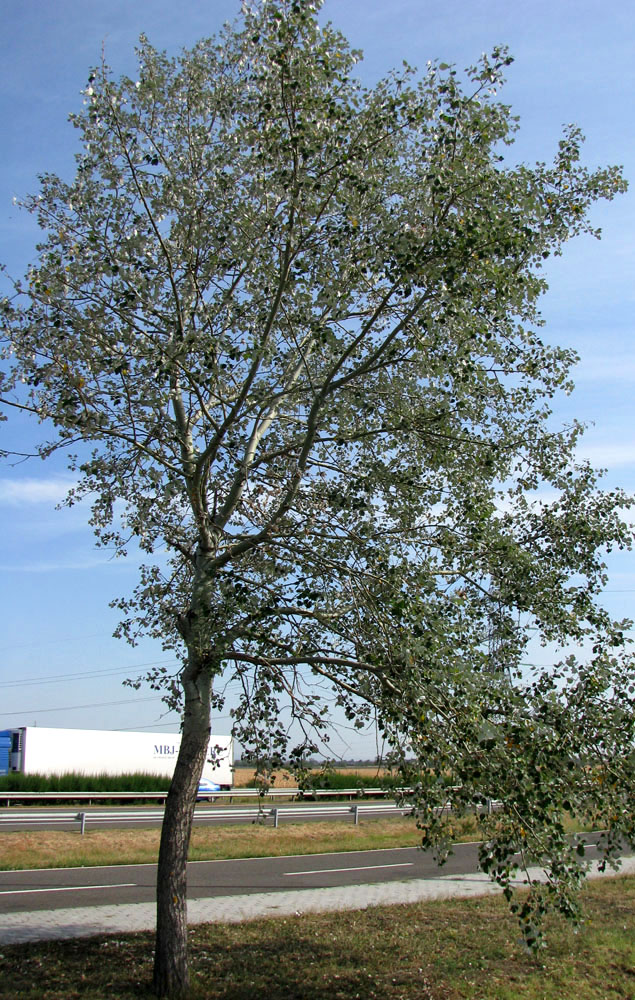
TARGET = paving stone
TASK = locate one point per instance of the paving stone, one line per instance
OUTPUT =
(87, 921)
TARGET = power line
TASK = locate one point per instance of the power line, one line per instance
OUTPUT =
(70, 708)
(164, 725)
(55, 642)
(84, 674)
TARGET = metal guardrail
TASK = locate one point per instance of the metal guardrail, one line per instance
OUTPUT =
(10, 797)
(230, 794)
(356, 810)
(31, 817)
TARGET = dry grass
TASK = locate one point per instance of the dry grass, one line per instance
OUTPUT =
(245, 777)
(454, 950)
(61, 849)
(68, 849)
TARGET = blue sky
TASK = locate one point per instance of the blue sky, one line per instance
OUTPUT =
(59, 665)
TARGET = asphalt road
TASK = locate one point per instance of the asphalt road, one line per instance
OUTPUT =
(61, 888)
(69, 887)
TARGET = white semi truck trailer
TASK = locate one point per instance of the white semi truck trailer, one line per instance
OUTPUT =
(37, 750)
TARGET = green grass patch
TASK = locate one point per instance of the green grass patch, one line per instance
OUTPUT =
(454, 950)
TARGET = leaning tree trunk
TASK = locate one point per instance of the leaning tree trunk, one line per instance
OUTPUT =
(171, 975)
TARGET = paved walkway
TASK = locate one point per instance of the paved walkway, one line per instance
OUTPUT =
(90, 920)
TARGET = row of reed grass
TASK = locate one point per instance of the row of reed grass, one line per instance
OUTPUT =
(73, 781)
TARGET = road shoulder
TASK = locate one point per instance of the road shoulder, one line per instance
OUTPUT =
(120, 919)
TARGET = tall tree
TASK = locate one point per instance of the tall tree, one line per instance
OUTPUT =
(290, 325)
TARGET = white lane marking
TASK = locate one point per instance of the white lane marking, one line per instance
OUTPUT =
(364, 868)
(64, 888)
(224, 861)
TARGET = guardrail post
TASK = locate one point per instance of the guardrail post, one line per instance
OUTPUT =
(356, 815)
(81, 819)
(274, 813)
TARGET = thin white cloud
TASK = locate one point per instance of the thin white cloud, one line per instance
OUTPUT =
(607, 456)
(15, 492)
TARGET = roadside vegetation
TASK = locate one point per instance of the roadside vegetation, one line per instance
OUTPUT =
(245, 777)
(61, 849)
(72, 781)
(413, 952)
(68, 849)
(360, 776)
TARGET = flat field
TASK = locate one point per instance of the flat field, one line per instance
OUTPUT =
(245, 777)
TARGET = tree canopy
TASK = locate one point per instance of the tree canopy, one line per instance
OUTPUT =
(290, 326)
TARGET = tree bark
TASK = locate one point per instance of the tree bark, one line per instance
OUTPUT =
(171, 974)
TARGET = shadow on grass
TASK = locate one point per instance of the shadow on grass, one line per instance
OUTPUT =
(115, 967)
(455, 950)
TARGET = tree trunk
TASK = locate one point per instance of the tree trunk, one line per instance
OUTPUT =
(171, 975)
